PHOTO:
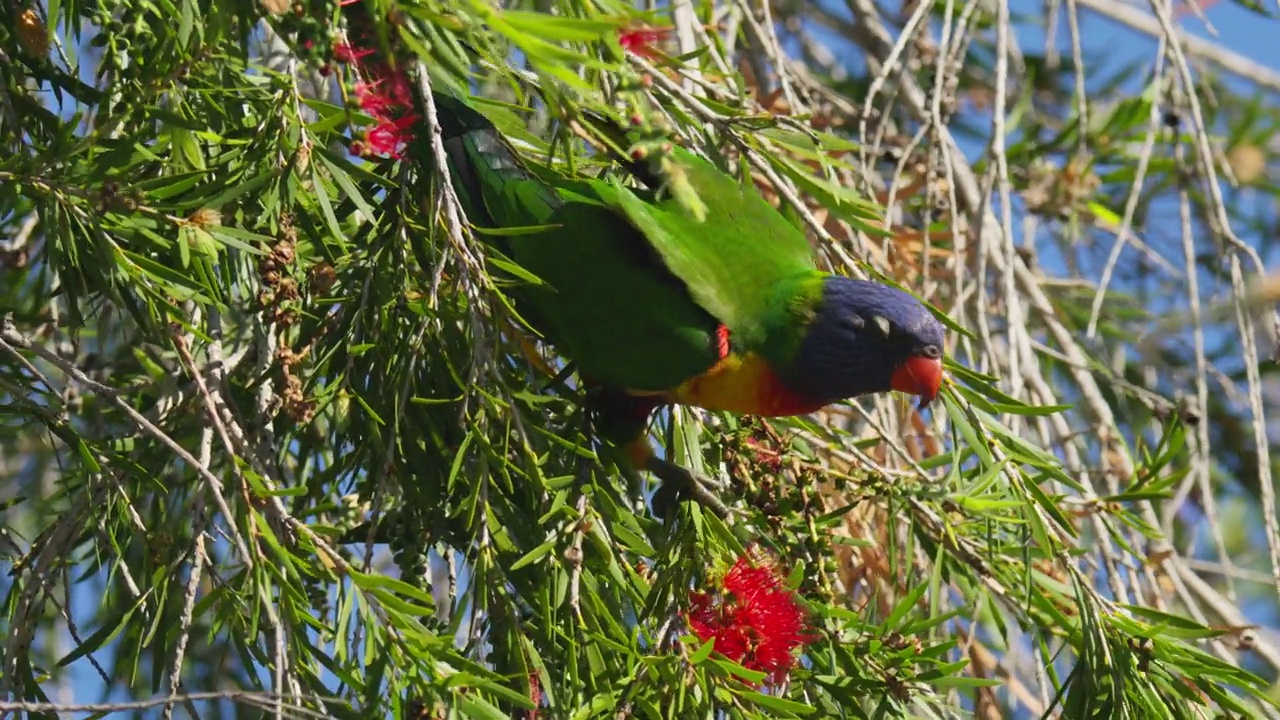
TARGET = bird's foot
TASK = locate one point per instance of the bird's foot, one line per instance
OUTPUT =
(679, 484)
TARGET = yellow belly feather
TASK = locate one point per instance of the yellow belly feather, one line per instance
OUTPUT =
(741, 384)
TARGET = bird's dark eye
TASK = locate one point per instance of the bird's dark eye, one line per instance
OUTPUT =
(931, 351)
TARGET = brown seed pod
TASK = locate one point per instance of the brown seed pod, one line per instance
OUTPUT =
(33, 36)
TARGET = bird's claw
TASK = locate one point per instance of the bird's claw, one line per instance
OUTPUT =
(680, 484)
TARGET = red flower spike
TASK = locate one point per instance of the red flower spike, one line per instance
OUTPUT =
(756, 622)
(640, 40)
(388, 99)
(399, 91)
(371, 98)
(764, 456)
(344, 53)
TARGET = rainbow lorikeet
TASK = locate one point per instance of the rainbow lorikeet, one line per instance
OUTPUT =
(656, 307)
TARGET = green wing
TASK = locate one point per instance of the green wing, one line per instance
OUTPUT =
(734, 259)
(605, 298)
(609, 303)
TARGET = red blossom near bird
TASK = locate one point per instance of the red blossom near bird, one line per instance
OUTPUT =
(344, 53)
(387, 98)
(766, 457)
(391, 136)
(640, 40)
(391, 106)
(755, 620)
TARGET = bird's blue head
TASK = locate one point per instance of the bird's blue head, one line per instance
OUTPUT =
(865, 338)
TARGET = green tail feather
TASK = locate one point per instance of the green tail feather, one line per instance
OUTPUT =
(480, 162)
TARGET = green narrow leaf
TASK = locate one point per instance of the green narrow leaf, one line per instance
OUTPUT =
(534, 555)
(782, 706)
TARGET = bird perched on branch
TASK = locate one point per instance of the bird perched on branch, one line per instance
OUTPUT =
(655, 305)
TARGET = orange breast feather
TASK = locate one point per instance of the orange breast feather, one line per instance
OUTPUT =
(742, 384)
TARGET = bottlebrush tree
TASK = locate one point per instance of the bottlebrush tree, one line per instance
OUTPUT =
(275, 442)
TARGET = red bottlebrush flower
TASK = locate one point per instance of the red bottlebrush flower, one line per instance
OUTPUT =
(391, 137)
(388, 99)
(344, 53)
(756, 622)
(765, 457)
(371, 98)
(383, 93)
(399, 89)
(640, 40)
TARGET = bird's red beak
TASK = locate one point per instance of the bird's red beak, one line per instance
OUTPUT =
(919, 376)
